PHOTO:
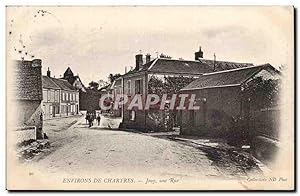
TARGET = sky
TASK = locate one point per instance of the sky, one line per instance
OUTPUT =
(97, 41)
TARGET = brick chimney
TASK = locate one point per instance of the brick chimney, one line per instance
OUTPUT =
(199, 54)
(138, 61)
(48, 72)
(148, 58)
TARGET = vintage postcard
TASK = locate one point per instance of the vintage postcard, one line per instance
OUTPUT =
(150, 98)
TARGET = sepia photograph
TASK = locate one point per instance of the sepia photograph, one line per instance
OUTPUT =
(108, 98)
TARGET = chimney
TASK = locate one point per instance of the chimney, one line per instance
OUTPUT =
(199, 54)
(148, 58)
(48, 73)
(138, 61)
(214, 62)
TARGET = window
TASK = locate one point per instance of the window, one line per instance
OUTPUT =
(56, 96)
(52, 96)
(128, 87)
(45, 95)
(132, 115)
(48, 97)
(138, 87)
(67, 96)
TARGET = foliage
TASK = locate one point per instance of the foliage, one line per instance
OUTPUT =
(113, 77)
(93, 85)
(262, 93)
(169, 85)
(102, 84)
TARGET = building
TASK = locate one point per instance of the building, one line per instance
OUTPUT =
(60, 98)
(88, 98)
(225, 103)
(73, 80)
(163, 75)
(26, 96)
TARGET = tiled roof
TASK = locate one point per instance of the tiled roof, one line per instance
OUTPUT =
(224, 65)
(55, 83)
(49, 83)
(179, 66)
(225, 78)
(164, 65)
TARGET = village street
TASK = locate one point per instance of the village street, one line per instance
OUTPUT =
(77, 150)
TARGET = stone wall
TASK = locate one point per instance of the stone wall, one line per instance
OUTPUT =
(28, 95)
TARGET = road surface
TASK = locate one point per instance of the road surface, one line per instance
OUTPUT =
(79, 150)
(107, 158)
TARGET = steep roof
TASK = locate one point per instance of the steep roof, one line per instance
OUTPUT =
(164, 65)
(55, 83)
(233, 77)
(68, 72)
(49, 83)
(71, 79)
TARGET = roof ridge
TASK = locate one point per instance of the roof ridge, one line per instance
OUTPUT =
(51, 79)
(65, 83)
(199, 61)
(232, 70)
(153, 63)
(225, 61)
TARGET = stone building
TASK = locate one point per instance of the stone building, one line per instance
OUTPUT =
(163, 75)
(60, 98)
(27, 97)
(223, 100)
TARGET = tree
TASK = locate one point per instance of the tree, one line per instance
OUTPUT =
(262, 93)
(102, 83)
(93, 85)
(113, 77)
(168, 85)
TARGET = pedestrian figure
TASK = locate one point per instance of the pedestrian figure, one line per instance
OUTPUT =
(87, 118)
(98, 119)
(90, 119)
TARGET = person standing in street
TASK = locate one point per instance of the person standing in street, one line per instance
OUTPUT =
(98, 119)
(90, 120)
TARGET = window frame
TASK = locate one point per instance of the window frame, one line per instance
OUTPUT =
(129, 87)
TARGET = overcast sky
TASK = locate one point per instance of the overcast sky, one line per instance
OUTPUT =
(96, 41)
